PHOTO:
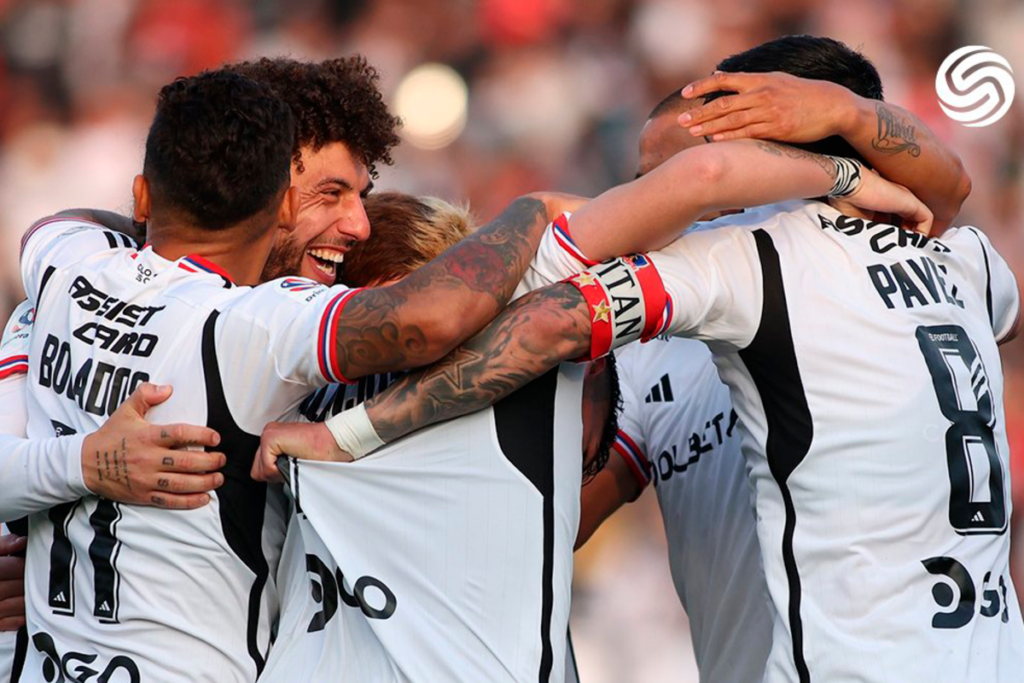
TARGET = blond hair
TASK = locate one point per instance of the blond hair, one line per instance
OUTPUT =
(405, 233)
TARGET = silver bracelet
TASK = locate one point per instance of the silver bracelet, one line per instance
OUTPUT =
(848, 177)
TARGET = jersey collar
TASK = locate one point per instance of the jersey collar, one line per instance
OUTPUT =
(193, 263)
(197, 264)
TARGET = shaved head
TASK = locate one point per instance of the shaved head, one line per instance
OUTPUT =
(662, 137)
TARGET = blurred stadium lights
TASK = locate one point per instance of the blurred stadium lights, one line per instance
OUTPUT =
(432, 100)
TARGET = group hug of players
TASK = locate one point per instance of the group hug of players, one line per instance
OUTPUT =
(276, 427)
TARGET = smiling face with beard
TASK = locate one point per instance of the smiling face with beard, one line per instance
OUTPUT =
(331, 187)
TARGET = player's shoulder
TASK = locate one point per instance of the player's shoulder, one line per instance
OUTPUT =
(60, 229)
(17, 336)
(683, 359)
(286, 292)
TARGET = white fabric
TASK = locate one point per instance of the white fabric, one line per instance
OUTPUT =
(447, 522)
(354, 433)
(182, 582)
(679, 414)
(888, 330)
(13, 420)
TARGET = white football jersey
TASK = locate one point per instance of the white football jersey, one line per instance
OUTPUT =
(13, 366)
(446, 555)
(138, 593)
(863, 365)
(678, 427)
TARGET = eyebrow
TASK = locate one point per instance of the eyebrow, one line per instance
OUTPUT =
(345, 184)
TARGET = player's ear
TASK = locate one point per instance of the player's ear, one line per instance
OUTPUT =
(140, 193)
(288, 214)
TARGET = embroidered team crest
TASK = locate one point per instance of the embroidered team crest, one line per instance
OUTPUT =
(298, 284)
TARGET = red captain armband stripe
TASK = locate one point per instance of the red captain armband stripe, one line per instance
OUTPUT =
(327, 350)
(627, 301)
(638, 464)
(560, 229)
(13, 365)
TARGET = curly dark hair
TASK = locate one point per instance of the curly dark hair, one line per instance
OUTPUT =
(610, 429)
(219, 149)
(336, 100)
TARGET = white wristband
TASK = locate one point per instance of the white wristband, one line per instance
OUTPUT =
(848, 177)
(354, 433)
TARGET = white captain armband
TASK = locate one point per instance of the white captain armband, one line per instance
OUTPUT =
(354, 433)
(627, 301)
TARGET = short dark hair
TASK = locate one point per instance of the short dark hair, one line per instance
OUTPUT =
(336, 100)
(610, 430)
(813, 57)
(219, 148)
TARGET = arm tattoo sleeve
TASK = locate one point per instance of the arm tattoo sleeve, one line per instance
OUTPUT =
(526, 340)
(778, 150)
(388, 328)
(895, 133)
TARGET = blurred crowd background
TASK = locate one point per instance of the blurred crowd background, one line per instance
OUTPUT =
(499, 97)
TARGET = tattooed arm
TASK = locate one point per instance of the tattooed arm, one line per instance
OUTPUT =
(527, 339)
(650, 212)
(420, 319)
(778, 106)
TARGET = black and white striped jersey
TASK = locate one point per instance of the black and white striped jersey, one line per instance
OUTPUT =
(144, 594)
(863, 365)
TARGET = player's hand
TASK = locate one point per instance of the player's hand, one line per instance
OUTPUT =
(557, 203)
(12, 583)
(770, 106)
(301, 440)
(131, 461)
(876, 194)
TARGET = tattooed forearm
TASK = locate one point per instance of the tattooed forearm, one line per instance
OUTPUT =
(778, 150)
(526, 340)
(421, 318)
(895, 133)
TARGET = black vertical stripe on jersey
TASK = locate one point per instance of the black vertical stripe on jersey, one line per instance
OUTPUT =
(242, 500)
(20, 653)
(525, 424)
(988, 280)
(111, 239)
(61, 584)
(771, 360)
(103, 551)
(47, 274)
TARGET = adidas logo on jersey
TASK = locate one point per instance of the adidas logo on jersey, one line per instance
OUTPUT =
(978, 517)
(60, 597)
(661, 392)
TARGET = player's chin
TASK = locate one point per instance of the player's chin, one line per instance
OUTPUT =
(322, 271)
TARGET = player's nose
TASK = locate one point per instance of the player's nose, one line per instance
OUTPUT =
(356, 224)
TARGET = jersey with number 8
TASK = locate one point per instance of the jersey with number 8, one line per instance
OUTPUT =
(863, 362)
